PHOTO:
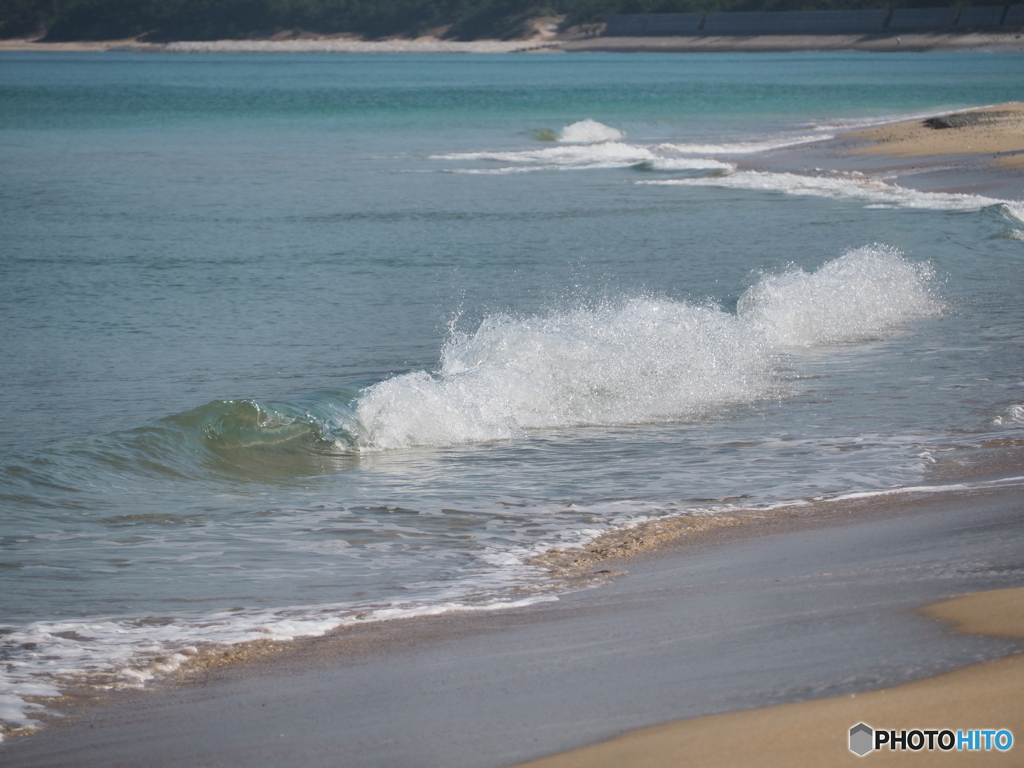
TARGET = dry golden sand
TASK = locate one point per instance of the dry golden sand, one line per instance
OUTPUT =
(305, 44)
(997, 131)
(814, 733)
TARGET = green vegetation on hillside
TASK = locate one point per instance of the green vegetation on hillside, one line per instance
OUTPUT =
(162, 20)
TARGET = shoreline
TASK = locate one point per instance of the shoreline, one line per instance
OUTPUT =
(812, 733)
(995, 132)
(796, 607)
(902, 42)
(976, 150)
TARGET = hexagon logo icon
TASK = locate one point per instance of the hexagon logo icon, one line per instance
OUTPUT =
(861, 738)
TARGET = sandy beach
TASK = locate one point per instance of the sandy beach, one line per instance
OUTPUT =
(812, 733)
(314, 44)
(997, 133)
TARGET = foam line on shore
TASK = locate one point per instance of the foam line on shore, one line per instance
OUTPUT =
(129, 664)
(1006, 481)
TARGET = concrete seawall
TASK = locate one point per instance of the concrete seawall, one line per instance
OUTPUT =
(859, 22)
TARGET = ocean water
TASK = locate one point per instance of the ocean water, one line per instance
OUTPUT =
(295, 341)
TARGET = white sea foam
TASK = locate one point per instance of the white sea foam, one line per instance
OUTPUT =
(500, 171)
(854, 297)
(583, 156)
(1014, 209)
(922, 489)
(871, 191)
(686, 164)
(589, 132)
(1013, 415)
(743, 147)
(122, 654)
(639, 361)
(609, 154)
(644, 360)
(586, 144)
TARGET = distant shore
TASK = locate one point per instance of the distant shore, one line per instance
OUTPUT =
(912, 42)
(300, 45)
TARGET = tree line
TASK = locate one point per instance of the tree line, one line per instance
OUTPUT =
(165, 20)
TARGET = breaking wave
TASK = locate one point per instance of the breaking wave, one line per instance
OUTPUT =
(685, 164)
(642, 360)
(630, 361)
(609, 154)
(1014, 415)
(585, 144)
(589, 132)
(850, 299)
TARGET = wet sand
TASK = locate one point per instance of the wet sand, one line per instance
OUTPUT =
(810, 604)
(984, 696)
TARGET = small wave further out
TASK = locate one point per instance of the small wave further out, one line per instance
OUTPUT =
(590, 131)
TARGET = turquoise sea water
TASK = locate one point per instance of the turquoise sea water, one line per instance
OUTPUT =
(291, 341)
